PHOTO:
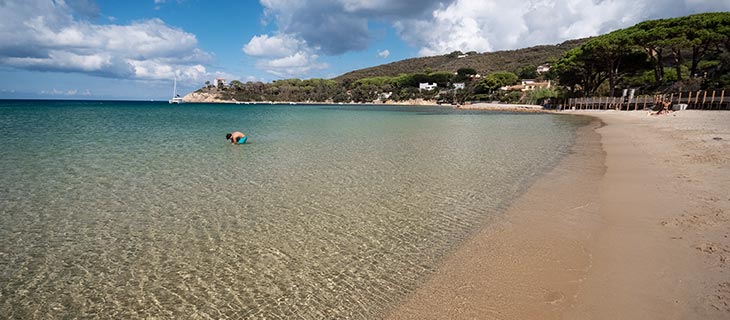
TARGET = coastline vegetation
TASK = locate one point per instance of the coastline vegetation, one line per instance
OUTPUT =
(656, 56)
(685, 53)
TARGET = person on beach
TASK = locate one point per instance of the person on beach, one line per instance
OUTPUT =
(236, 137)
(665, 103)
(665, 106)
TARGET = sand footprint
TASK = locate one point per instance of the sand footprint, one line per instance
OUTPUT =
(554, 297)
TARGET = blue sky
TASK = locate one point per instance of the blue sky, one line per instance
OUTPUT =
(108, 49)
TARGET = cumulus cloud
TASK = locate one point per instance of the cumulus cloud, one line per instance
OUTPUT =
(283, 55)
(338, 26)
(48, 36)
(384, 54)
(320, 23)
(506, 24)
(291, 66)
(331, 27)
(273, 46)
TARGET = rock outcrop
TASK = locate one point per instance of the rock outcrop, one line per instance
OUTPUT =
(203, 97)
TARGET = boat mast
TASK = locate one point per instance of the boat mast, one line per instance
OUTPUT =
(174, 89)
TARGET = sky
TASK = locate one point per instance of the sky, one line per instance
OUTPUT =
(135, 49)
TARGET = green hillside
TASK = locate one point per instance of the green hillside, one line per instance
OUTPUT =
(483, 63)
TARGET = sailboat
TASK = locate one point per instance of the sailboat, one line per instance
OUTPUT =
(175, 97)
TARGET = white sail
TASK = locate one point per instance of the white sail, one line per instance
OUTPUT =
(175, 97)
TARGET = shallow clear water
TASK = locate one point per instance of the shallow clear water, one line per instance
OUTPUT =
(133, 210)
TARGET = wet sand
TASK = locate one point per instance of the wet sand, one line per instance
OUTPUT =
(633, 224)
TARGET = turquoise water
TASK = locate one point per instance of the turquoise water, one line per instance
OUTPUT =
(134, 209)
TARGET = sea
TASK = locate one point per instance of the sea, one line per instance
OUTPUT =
(136, 210)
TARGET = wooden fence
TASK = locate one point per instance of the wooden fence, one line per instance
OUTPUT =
(699, 100)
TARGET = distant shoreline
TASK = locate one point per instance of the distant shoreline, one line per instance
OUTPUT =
(204, 98)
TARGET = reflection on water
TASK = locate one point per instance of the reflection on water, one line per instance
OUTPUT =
(134, 210)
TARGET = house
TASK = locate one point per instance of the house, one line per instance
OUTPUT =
(532, 85)
(427, 86)
(459, 85)
(543, 68)
(527, 85)
(219, 82)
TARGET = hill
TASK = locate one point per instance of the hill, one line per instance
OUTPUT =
(483, 63)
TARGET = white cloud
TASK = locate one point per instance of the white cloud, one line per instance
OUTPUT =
(283, 55)
(274, 46)
(384, 54)
(506, 24)
(296, 60)
(293, 65)
(69, 92)
(253, 79)
(45, 36)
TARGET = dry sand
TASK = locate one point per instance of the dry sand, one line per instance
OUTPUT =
(633, 224)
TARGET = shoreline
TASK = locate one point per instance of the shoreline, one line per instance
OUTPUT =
(201, 98)
(633, 224)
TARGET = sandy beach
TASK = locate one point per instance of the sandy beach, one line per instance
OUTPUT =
(633, 224)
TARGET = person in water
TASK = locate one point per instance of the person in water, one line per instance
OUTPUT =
(236, 137)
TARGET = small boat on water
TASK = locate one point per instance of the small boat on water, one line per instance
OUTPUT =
(176, 98)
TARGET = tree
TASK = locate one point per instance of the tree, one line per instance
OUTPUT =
(455, 54)
(539, 96)
(236, 84)
(578, 71)
(527, 72)
(496, 80)
(649, 35)
(610, 52)
(441, 78)
(676, 43)
(705, 36)
(466, 72)
(607, 57)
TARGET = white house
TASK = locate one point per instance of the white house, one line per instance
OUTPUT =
(427, 86)
(219, 82)
(528, 85)
(543, 68)
(535, 85)
(459, 85)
